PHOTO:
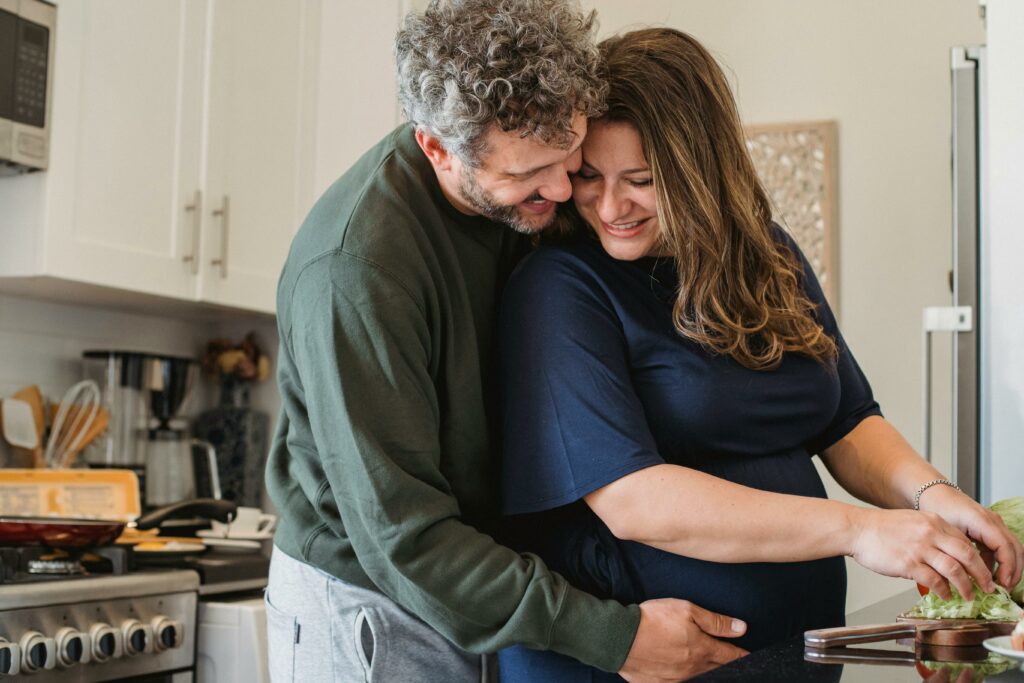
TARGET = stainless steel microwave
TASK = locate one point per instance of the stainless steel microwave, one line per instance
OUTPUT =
(26, 82)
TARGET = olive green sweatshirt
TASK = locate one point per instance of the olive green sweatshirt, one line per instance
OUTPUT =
(383, 467)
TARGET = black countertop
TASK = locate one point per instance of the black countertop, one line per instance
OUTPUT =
(785, 661)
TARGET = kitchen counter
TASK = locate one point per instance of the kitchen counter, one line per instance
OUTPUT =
(785, 661)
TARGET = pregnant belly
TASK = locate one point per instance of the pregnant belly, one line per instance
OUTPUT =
(777, 600)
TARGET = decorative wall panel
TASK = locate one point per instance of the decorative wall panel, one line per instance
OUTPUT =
(797, 164)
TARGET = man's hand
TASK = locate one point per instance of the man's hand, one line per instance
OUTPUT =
(674, 642)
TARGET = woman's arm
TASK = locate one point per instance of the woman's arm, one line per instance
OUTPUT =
(691, 513)
(877, 465)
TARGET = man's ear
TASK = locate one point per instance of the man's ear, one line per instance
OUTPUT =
(440, 158)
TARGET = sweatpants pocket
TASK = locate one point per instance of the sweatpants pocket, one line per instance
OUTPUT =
(282, 637)
(365, 642)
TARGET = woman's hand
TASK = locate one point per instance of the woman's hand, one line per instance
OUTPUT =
(986, 528)
(920, 546)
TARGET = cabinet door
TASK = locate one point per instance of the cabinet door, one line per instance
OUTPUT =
(125, 166)
(262, 63)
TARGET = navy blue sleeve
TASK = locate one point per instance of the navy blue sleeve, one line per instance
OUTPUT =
(856, 401)
(572, 421)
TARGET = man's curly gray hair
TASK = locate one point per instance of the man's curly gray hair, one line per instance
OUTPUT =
(522, 65)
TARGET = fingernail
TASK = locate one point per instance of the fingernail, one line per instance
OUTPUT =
(737, 626)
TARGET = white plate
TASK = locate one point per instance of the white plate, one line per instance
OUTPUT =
(1001, 646)
(259, 536)
(232, 545)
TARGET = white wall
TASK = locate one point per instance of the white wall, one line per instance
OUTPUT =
(881, 70)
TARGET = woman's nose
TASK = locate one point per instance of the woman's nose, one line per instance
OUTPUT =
(611, 205)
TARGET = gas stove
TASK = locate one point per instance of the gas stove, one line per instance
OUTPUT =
(92, 616)
(31, 564)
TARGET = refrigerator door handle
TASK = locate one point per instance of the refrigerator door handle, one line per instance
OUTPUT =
(938, 319)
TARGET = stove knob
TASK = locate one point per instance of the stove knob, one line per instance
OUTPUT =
(10, 658)
(167, 633)
(137, 637)
(73, 647)
(106, 642)
(37, 652)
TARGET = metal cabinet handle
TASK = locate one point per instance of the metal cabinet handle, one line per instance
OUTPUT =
(225, 216)
(196, 208)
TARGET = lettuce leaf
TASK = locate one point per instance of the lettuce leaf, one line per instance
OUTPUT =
(1012, 512)
(994, 605)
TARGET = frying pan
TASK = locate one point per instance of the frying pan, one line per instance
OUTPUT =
(73, 532)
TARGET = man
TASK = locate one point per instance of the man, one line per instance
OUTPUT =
(384, 460)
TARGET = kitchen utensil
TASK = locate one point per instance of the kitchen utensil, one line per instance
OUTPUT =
(19, 423)
(926, 633)
(74, 419)
(921, 653)
(85, 434)
(79, 532)
(34, 398)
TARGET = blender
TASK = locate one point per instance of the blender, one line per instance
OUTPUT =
(146, 395)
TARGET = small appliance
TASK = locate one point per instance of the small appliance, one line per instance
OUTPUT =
(146, 396)
(26, 82)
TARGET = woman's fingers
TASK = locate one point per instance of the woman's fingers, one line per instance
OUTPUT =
(925, 548)
(991, 531)
(967, 560)
(926, 576)
(952, 571)
(984, 527)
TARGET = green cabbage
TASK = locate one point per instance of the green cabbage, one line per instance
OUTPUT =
(1012, 512)
(994, 605)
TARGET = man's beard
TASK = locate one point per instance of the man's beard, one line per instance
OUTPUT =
(484, 203)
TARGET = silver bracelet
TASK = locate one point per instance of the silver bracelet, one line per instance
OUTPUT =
(927, 485)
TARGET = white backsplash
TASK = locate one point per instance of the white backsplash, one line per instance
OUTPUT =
(41, 343)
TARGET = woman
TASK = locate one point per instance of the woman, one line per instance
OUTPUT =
(667, 384)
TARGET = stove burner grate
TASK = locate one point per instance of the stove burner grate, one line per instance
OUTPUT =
(28, 564)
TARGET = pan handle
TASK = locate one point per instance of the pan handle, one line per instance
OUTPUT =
(220, 510)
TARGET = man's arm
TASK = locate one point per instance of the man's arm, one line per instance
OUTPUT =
(362, 347)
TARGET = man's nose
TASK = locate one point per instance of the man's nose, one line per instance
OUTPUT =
(558, 187)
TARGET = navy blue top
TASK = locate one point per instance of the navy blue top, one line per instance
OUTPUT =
(598, 384)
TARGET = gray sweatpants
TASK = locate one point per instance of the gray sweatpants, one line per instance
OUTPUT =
(322, 629)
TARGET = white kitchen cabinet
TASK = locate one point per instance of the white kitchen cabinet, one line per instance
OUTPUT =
(190, 137)
(125, 153)
(256, 186)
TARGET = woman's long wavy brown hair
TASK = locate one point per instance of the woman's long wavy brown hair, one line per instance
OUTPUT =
(739, 288)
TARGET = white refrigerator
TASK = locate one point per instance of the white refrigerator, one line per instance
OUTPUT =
(987, 311)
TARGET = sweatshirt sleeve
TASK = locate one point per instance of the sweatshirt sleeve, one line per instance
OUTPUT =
(362, 346)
